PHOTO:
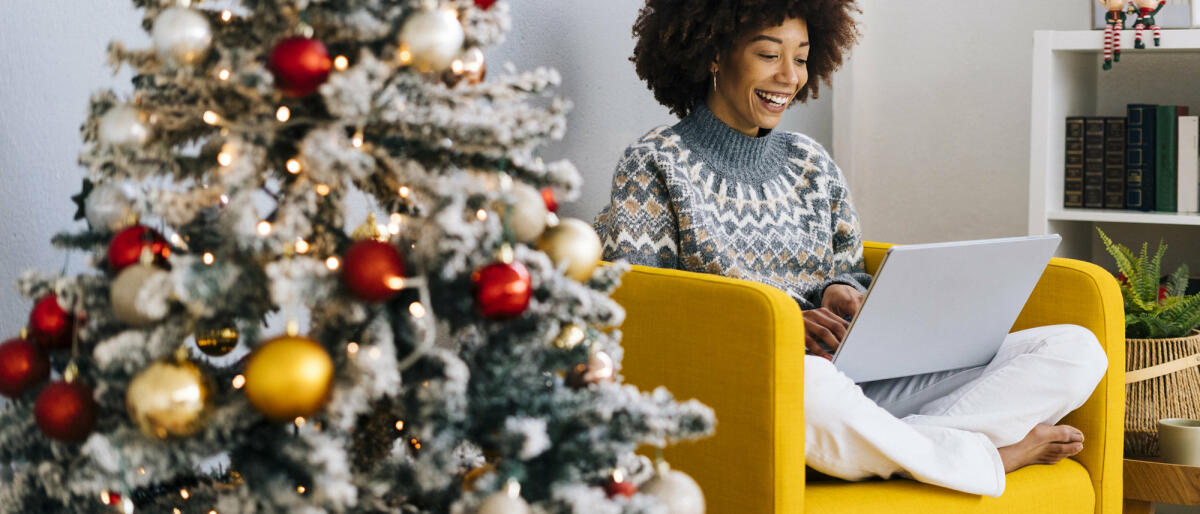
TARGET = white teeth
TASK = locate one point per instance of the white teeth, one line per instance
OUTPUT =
(775, 99)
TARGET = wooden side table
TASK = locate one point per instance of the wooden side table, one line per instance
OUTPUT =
(1148, 482)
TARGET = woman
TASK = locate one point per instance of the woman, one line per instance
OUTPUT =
(722, 192)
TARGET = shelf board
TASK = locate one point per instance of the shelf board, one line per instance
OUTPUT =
(1115, 216)
(1093, 40)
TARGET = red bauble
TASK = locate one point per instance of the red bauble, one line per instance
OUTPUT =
(65, 411)
(624, 488)
(548, 197)
(22, 365)
(50, 325)
(502, 290)
(1162, 294)
(126, 247)
(372, 269)
(300, 65)
(484, 4)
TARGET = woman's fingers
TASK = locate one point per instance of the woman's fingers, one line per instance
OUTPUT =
(823, 326)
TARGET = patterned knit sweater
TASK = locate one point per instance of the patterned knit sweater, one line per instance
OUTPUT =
(701, 196)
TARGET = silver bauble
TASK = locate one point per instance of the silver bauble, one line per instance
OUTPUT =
(528, 216)
(675, 489)
(434, 38)
(181, 35)
(139, 295)
(109, 207)
(123, 125)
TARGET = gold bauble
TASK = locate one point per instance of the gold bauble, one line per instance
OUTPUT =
(217, 340)
(168, 399)
(528, 216)
(574, 243)
(288, 377)
(570, 337)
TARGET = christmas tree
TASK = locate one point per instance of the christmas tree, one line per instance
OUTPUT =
(241, 345)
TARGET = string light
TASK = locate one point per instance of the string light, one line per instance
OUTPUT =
(357, 140)
(208, 258)
(457, 66)
(239, 381)
(264, 228)
(223, 74)
(415, 443)
(405, 191)
(293, 166)
(224, 199)
(352, 348)
(183, 493)
(176, 511)
(400, 425)
(299, 421)
(213, 511)
(283, 114)
(226, 15)
(105, 497)
(176, 240)
(405, 55)
(211, 118)
(481, 214)
(322, 189)
(141, 471)
(341, 62)
(224, 158)
(417, 310)
(333, 263)
(300, 489)
(394, 283)
(301, 246)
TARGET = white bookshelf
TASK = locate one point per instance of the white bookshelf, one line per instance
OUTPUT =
(1068, 81)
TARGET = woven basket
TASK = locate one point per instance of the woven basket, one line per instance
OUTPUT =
(1162, 381)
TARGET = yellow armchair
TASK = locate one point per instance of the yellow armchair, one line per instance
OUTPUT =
(738, 346)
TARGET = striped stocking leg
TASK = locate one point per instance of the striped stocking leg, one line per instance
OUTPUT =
(1117, 42)
(1137, 36)
(1108, 45)
(1157, 33)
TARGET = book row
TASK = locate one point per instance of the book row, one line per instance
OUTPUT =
(1148, 160)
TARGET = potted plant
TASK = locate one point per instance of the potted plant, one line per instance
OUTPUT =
(1162, 345)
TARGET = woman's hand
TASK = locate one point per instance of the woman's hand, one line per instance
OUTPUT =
(842, 299)
(823, 326)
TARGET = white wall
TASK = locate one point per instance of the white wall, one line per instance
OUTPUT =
(52, 54)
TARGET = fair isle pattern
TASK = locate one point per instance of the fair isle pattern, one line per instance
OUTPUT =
(792, 228)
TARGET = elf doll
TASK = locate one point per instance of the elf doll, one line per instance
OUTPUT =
(1114, 21)
(1145, 19)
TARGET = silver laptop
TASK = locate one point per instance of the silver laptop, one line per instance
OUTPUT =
(936, 307)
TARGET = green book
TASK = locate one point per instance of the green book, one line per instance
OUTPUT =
(1167, 120)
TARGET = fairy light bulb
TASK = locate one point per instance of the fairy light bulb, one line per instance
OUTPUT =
(299, 421)
(223, 74)
(211, 117)
(417, 310)
(395, 283)
(225, 158)
(341, 62)
(302, 246)
(352, 348)
(239, 381)
(481, 214)
(333, 263)
(293, 166)
(405, 55)
(300, 489)
(405, 191)
(226, 15)
(208, 258)
(283, 114)
(399, 425)
(183, 493)
(322, 189)
(357, 140)
(264, 228)
(457, 66)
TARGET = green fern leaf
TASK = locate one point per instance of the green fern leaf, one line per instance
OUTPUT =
(1145, 283)
(1179, 281)
(1125, 260)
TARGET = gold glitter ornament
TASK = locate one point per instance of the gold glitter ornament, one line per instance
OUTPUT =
(169, 399)
(570, 337)
(289, 377)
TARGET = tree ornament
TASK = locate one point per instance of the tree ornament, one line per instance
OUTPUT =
(370, 229)
(126, 247)
(123, 125)
(49, 325)
(548, 197)
(22, 365)
(502, 290)
(1145, 11)
(485, 4)
(216, 340)
(570, 337)
(474, 66)
(288, 377)
(181, 35)
(137, 295)
(300, 65)
(65, 410)
(599, 368)
(617, 485)
(109, 207)
(505, 501)
(373, 270)
(675, 489)
(168, 399)
(432, 38)
(528, 215)
(575, 244)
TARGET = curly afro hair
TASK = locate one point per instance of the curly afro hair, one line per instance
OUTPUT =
(677, 40)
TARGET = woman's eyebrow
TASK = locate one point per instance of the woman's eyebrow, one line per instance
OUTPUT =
(764, 37)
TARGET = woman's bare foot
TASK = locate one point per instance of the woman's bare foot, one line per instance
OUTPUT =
(1044, 444)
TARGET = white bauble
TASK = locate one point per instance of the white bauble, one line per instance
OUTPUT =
(123, 125)
(502, 502)
(528, 215)
(109, 207)
(181, 34)
(139, 295)
(434, 38)
(676, 490)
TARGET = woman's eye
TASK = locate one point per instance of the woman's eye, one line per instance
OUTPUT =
(801, 62)
(765, 56)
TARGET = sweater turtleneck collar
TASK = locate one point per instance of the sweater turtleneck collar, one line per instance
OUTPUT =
(729, 153)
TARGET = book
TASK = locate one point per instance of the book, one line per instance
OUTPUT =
(1093, 163)
(1139, 156)
(1188, 198)
(1114, 163)
(1165, 178)
(1073, 171)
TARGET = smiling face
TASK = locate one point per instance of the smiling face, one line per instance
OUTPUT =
(1113, 5)
(757, 80)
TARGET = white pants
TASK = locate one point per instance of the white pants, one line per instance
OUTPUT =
(944, 428)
